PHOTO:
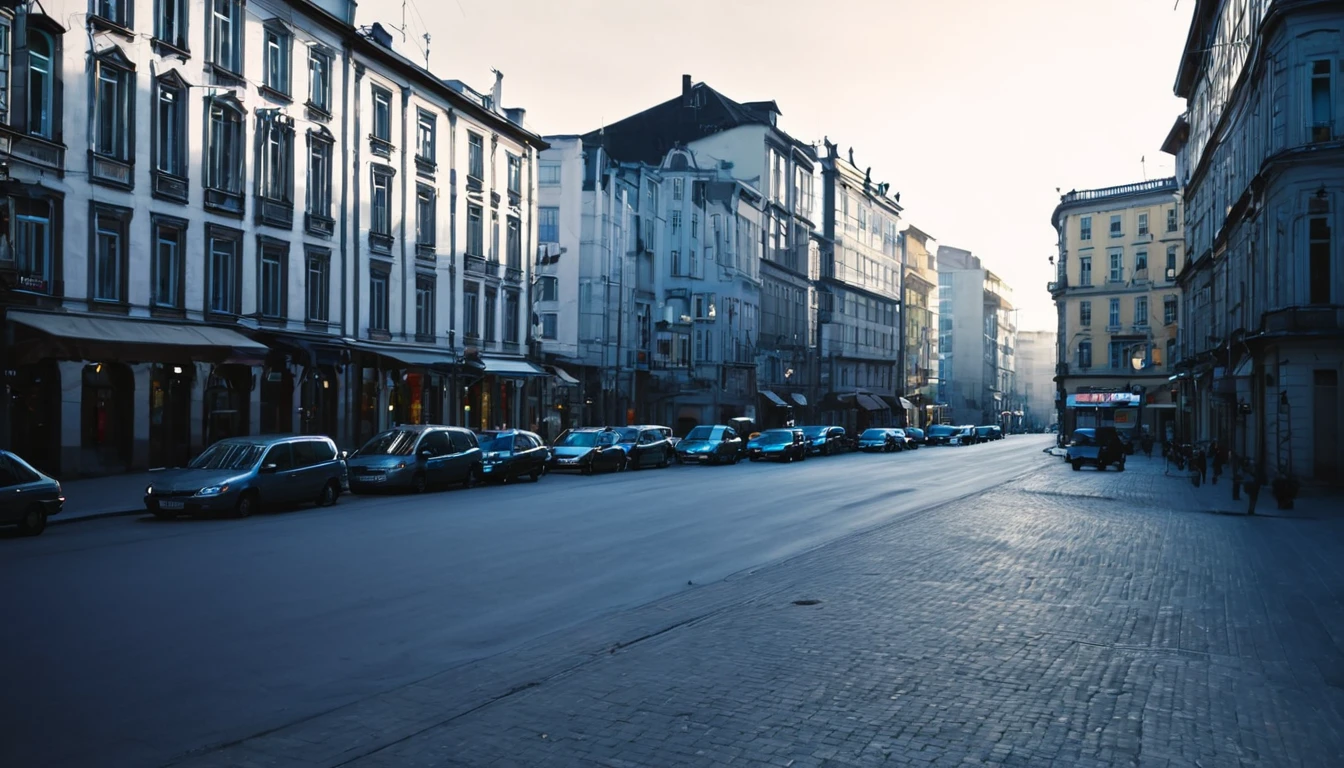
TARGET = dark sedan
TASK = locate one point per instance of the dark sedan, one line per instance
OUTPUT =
(878, 439)
(918, 435)
(588, 450)
(645, 447)
(510, 454)
(824, 441)
(27, 497)
(778, 445)
(904, 441)
(940, 434)
(710, 444)
(1096, 447)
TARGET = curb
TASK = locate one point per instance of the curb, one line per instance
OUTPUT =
(58, 520)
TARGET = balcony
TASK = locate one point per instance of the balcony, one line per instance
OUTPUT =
(1156, 185)
(1319, 320)
(317, 224)
(513, 274)
(110, 171)
(478, 265)
(274, 213)
(167, 186)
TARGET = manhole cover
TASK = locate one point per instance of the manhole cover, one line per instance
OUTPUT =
(806, 602)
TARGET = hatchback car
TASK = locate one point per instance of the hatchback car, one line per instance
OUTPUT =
(243, 475)
(588, 450)
(710, 444)
(877, 439)
(509, 454)
(778, 445)
(27, 497)
(416, 457)
(824, 441)
(1099, 448)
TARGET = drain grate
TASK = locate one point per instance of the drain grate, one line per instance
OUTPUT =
(806, 602)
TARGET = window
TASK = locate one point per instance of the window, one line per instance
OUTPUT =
(1171, 219)
(511, 306)
(113, 108)
(678, 188)
(1321, 123)
(1141, 311)
(1084, 271)
(678, 269)
(471, 310)
(380, 207)
(170, 23)
(169, 238)
(41, 84)
(515, 165)
(1085, 313)
(319, 285)
(224, 153)
(494, 236)
(1116, 229)
(1084, 354)
(108, 251)
(170, 127)
(319, 80)
(1171, 262)
(276, 49)
(674, 221)
(378, 311)
(275, 162)
(1085, 228)
(1140, 261)
(425, 215)
(548, 288)
(223, 248)
(491, 311)
(319, 180)
(424, 307)
(224, 35)
(778, 170)
(1117, 274)
(1171, 352)
(33, 242)
(475, 156)
(1168, 310)
(514, 244)
(548, 173)
(382, 115)
(117, 12)
(1114, 321)
(272, 269)
(548, 320)
(6, 61)
(1116, 350)
(548, 225)
(1318, 257)
(1143, 224)
(425, 126)
(803, 192)
(475, 231)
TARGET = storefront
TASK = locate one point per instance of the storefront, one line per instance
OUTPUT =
(400, 385)
(1098, 408)
(505, 395)
(856, 411)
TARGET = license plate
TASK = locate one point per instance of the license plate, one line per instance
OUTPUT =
(486, 468)
(170, 505)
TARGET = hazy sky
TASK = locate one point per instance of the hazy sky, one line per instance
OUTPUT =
(974, 110)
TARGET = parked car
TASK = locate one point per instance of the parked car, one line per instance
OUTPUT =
(588, 450)
(666, 432)
(941, 434)
(824, 441)
(1126, 438)
(645, 446)
(918, 435)
(984, 434)
(965, 435)
(1100, 448)
(904, 440)
(509, 454)
(27, 497)
(778, 445)
(877, 439)
(244, 475)
(710, 444)
(416, 457)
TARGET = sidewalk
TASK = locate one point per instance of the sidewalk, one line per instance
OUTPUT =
(102, 497)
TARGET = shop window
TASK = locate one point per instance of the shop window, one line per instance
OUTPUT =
(227, 402)
(169, 415)
(277, 401)
(105, 426)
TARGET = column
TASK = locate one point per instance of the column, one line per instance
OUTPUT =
(140, 406)
(72, 394)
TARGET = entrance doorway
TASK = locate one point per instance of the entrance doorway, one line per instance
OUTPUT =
(35, 416)
(169, 415)
(105, 421)
(277, 402)
(228, 395)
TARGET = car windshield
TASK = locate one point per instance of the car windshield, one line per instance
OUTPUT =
(701, 433)
(629, 435)
(814, 431)
(394, 442)
(228, 456)
(915, 432)
(941, 430)
(578, 440)
(898, 432)
(1084, 437)
(496, 443)
(873, 434)
(772, 437)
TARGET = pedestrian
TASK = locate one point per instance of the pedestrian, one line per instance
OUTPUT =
(1219, 456)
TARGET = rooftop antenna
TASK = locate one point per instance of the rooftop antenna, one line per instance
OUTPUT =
(403, 21)
(1143, 164)
(426, 50)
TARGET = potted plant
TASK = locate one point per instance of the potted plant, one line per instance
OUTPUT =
(1285, 490)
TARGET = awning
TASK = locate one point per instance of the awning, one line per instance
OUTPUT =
(906, 404)
(111, 332)
(510, 367)
(869, 403)
(799, 399)
(423, 357)
(563, 375)
(772, 397)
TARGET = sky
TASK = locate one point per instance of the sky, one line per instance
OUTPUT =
(974, 110)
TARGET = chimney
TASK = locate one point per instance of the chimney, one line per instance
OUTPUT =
(516, 115)
(381, 36)
(685, 90)
(497, 92)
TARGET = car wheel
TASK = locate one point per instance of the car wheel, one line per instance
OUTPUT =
(1077, 465)
(802, 454)
(1121, 466)
(330, 492)
(418, 483)
(666, 460)
(34, 522)
(536, 474)
(470, 480)
(633, 462)
(247, 505)
(587, 468)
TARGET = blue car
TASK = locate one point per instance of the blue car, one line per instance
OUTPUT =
(778, 445)
(710, 444)
(877, 439)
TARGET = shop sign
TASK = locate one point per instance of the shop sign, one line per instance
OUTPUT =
(1104, 399)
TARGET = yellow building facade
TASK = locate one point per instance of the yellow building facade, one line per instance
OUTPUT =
(1118, 304)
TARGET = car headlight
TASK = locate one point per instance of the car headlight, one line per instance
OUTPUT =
(149, 490)
(213, 490)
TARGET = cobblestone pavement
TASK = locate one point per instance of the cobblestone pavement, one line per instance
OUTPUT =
(1067, 619)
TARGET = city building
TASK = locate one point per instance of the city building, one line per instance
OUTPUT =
(919, 315)
(976, 332)
(1260, 154)
(1118, 305)
(1036, 358)
(859, 297)
(303, 192)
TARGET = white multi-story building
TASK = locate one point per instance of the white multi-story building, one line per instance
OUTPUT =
(220, 225)
(1260, 154)
(977, 335)
(1036, 378)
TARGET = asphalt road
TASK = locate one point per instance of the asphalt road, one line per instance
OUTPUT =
(129, 641)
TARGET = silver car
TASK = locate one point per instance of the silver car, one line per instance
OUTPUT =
(415, 458)
(244, 474)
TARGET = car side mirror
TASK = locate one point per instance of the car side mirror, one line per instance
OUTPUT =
(345, 455)
(427, 453)
(269, 469)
